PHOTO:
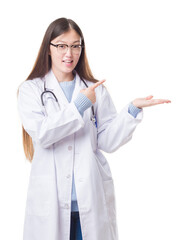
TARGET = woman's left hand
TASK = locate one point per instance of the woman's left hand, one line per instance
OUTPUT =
(148, 101)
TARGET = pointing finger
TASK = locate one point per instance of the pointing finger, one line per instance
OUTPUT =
(97, 84)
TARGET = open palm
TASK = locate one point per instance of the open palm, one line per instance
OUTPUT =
(148, 102)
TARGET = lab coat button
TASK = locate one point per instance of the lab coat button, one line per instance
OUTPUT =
(69, 148)
(81, 179)
(68, 176)
(66, 206)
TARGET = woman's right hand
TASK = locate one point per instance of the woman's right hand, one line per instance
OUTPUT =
(90, 91)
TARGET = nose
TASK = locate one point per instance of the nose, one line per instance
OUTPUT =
(69, 52)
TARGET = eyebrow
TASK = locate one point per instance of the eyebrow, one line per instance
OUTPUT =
(66, 42)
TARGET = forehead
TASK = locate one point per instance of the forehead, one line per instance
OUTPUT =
(68, 37)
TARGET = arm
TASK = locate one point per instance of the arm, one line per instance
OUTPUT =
(114, 130)
(82, 103)
(46, 130)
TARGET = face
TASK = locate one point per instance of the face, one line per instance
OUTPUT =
(64, 63)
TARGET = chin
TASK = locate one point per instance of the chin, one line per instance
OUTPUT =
(67, 70)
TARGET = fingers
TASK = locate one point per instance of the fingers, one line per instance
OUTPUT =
(97, 84)
(159, 101)
(163, 101)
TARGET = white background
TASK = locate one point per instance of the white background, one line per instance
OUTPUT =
(140, 48)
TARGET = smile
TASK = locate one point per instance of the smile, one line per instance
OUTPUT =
(66, 61)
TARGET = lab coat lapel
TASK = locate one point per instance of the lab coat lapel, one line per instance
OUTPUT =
(52, 84)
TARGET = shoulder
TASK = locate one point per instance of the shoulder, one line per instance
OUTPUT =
(29, 85)
(30, 89)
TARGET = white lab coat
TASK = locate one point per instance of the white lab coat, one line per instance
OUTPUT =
(65, 142)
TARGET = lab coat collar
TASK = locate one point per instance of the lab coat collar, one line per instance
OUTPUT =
(53, 85)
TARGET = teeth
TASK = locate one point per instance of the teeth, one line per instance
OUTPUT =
(67, 61)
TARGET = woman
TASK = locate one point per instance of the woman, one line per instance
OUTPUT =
(68, 117)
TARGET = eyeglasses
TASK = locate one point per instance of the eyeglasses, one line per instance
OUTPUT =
(63, 48)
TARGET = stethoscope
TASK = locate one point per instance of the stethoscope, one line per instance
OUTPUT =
(93, 117)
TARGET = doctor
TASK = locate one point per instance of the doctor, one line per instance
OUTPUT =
(68, 117)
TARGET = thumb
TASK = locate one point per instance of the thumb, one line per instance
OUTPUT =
(149, 97)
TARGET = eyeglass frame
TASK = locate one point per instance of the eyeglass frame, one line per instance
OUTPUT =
(57, 45)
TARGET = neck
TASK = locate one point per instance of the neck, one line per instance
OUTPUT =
(63, 77)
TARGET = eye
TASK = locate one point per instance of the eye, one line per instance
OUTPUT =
(76, 46)
(62, 46)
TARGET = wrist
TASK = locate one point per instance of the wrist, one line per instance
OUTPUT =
(82, 103)
(136, 105)
(133, 110)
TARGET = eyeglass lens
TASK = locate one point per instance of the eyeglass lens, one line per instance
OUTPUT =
(63, 48)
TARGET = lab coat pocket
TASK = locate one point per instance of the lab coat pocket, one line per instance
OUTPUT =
(110, 199)
(103, 166)
(38, 196)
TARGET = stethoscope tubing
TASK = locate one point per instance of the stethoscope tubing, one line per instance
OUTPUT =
(48, 91)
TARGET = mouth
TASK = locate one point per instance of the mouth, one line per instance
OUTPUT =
(67, 61)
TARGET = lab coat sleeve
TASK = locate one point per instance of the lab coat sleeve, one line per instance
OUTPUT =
(46, 130)
(114, 129)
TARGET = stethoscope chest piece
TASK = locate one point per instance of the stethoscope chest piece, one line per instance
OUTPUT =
(94, 120)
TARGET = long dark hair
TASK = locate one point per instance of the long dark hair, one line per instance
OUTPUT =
(43, 65)
(43, 61)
